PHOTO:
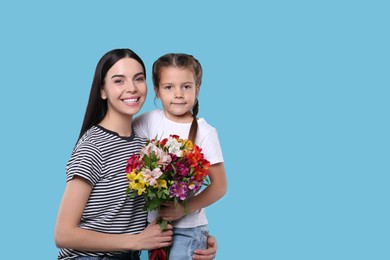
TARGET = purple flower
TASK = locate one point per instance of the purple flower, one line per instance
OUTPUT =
(179, 190)
(182, 169)
(195, 185)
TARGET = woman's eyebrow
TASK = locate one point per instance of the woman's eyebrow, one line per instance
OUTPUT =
(123, 76)
(139, 74)
(118, 76)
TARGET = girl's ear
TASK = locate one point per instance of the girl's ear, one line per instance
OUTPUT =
(156, 92)
(103, 94)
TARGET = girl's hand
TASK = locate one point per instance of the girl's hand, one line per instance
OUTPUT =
(208, 253)
(152, 237)
(171, 211)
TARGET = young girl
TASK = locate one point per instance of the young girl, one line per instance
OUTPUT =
(177, 79)
(96, 220)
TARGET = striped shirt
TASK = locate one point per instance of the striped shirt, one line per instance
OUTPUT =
(100, 157)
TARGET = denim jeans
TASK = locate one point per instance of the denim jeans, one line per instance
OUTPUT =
(186, 240)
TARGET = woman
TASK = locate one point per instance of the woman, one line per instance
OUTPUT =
(96, 220)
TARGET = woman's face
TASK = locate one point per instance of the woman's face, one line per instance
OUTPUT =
(125, 88)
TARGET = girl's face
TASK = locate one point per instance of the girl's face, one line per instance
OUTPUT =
(178, 92)
(125, 88)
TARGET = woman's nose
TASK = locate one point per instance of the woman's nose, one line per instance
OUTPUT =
(131, 86)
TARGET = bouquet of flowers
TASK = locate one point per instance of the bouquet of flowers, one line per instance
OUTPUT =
(171, 169)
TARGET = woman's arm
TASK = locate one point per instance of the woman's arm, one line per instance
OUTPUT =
(209, 253)
(68, 234)
(208, 196)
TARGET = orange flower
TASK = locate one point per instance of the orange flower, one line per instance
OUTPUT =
(195, 156)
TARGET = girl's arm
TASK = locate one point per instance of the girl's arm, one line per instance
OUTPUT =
(68, 234)
(212, 193)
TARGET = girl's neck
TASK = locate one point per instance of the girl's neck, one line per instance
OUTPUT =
(186, 118)
(121, 126)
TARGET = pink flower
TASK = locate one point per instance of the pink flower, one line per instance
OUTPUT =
(150, 148)
(164, 159)
(152, 176)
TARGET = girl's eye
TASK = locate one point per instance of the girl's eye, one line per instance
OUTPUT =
(168, 87)
(187, 86)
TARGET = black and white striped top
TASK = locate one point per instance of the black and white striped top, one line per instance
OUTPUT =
(100, 157)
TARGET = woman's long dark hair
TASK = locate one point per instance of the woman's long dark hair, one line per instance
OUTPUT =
(97, 107)
(181, 60)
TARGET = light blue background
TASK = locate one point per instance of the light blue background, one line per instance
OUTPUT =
(298, 90)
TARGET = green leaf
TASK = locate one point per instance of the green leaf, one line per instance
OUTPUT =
(163, 224)
(153, 204)
(206, 181)
(185, 206)
(147, 161)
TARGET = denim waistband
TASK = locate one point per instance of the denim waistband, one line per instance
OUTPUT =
(133, 255)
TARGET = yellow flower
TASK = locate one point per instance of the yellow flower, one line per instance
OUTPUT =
(131, 176)
(189, 145)
(137, 182)
(140, 191)
(161, 184)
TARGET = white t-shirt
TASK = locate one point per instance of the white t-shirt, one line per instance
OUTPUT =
(155, 124)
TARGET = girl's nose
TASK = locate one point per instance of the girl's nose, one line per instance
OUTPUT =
(178, 93)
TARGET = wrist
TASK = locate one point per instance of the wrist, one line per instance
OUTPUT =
(131, 242)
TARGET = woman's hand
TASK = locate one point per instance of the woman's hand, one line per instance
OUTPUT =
(152, 237)
(208, 253)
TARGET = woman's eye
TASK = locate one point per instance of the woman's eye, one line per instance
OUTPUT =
(140, 79)
(118, 81)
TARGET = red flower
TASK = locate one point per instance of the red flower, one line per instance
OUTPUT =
(195, 156)
(163, 142)
(133, 163)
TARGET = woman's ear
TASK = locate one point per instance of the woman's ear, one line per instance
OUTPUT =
(103, 94)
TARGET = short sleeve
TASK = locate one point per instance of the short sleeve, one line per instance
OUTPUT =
(140, 125)
(211, 147)
(86, 162)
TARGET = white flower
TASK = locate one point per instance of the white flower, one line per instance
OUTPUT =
(174, 146)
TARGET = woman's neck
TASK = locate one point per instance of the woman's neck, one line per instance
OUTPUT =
(121, 126)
